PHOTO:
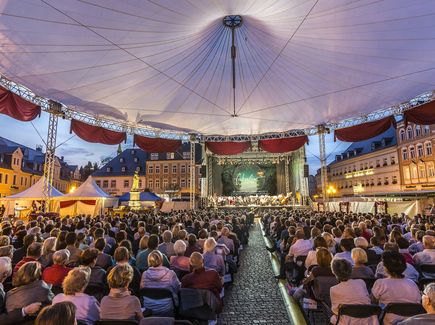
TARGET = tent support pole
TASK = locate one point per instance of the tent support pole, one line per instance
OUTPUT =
(54, 112)
(323, 169)
(192, 190)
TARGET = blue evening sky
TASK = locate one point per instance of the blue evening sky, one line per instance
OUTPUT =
(79, 152)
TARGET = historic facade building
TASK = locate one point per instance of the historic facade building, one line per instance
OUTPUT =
(162, 173)
(417, 159)
(21, 167)
(368, 167)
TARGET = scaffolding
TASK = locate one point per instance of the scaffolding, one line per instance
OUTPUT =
(323, 169)
(192, 192)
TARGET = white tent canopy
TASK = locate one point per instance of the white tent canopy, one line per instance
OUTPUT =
(23, 200)
(88, 199)
(168, 63)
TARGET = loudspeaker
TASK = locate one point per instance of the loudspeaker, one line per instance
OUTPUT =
(203, 171)
(306, 171)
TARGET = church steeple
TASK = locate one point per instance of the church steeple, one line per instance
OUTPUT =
(119, 151)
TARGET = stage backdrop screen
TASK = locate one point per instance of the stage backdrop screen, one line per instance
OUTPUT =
(254, 179)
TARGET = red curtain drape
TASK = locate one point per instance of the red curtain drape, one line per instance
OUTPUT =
(364, 131)
(423, 114)
(67, 204)
(16, 107)
(96, 134)
(283, 145)
(228, 147)
(156, 144)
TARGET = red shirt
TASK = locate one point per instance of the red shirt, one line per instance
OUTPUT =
(22, 262)
(55, 274)
(203, 279)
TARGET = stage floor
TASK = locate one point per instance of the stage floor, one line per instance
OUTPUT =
(264, 207)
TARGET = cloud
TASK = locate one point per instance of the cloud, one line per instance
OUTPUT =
(75, 151)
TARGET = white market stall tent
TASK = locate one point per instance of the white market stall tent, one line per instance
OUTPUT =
(88, 199)
(24, 200)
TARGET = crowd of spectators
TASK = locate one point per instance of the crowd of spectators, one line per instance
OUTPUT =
(335, 259)
(101, 268)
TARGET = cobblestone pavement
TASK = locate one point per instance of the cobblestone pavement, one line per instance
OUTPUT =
(254, 298)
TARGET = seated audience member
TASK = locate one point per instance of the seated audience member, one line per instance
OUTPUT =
(311, 257)
(100, 233)
(120, 303)
(192, 245)
(122, 256)
(395, 288)
(372, 257)
(202, 237)
(330, 242)
(211, 259)
(360, 270)
(403, 245)
(88, 258)
(127, 244)
(159, 276)
(300, 246)
(61, 313)
(179, 261)
(167, 247)
(55, 274)
(71, 245)
(427, 256)
(74, 285)
(376, 246)
(47, 252)
(409, 273)
(28, 288)
(346, 245)
(21, 252)
(33, 255)
(418, 245)
(103, 260)
(17, 315)
(348, 291)
(428, 302)
(200, 278)
(142, 257)
(224, 239)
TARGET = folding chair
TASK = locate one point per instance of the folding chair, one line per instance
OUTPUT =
(358, 311)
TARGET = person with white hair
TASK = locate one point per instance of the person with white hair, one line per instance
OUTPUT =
(18, 314)
(427, 256)
(180, 261)
(211, 259)
(428, 302)
(55, 274)
(167, 247)
(372, 257)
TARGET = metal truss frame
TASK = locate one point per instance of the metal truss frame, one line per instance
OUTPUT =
(69, 112)
(192, 192)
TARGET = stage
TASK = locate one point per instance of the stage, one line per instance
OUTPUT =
(262, 207)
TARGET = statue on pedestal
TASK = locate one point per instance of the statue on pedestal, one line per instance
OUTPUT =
(134, 202)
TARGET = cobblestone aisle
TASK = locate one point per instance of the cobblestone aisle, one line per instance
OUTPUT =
(254, 298)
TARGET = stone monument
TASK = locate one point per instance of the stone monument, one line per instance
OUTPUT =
(134, 202)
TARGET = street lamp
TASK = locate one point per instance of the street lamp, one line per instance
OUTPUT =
(331, 190)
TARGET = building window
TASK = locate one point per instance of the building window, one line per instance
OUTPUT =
(428, 146)
(394, 180)
(126, 183)
(379, 181)
(165, 183)
(421, 171)
(402, 135)
(136, 159)
(426, 129)
(121, 160)
(386, 182)
(113, 183)
(105, 183)
(133, 152)
(140, 183)
(406, 173)
(393, 160)
(183, 169)
(174, 169)
(157, 181)
(419, 150)
(411, 152)
(174, 181)
(378, 163)
(14, 180)
(98, 183)
(186, 154)
(417, 131)
(108, 169)
(183, 183)
(430, 169)
(414, 173)
(385, 162)
(150, 169)
(123, 169)
(154, 156)
(165, 169)
(157, 169)
(170, 155)
(409, 132)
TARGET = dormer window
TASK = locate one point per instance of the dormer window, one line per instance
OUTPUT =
(136, 159)
(124, 169)
(154, 156)
(108, 169)
(121, 160)
(133, 152)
